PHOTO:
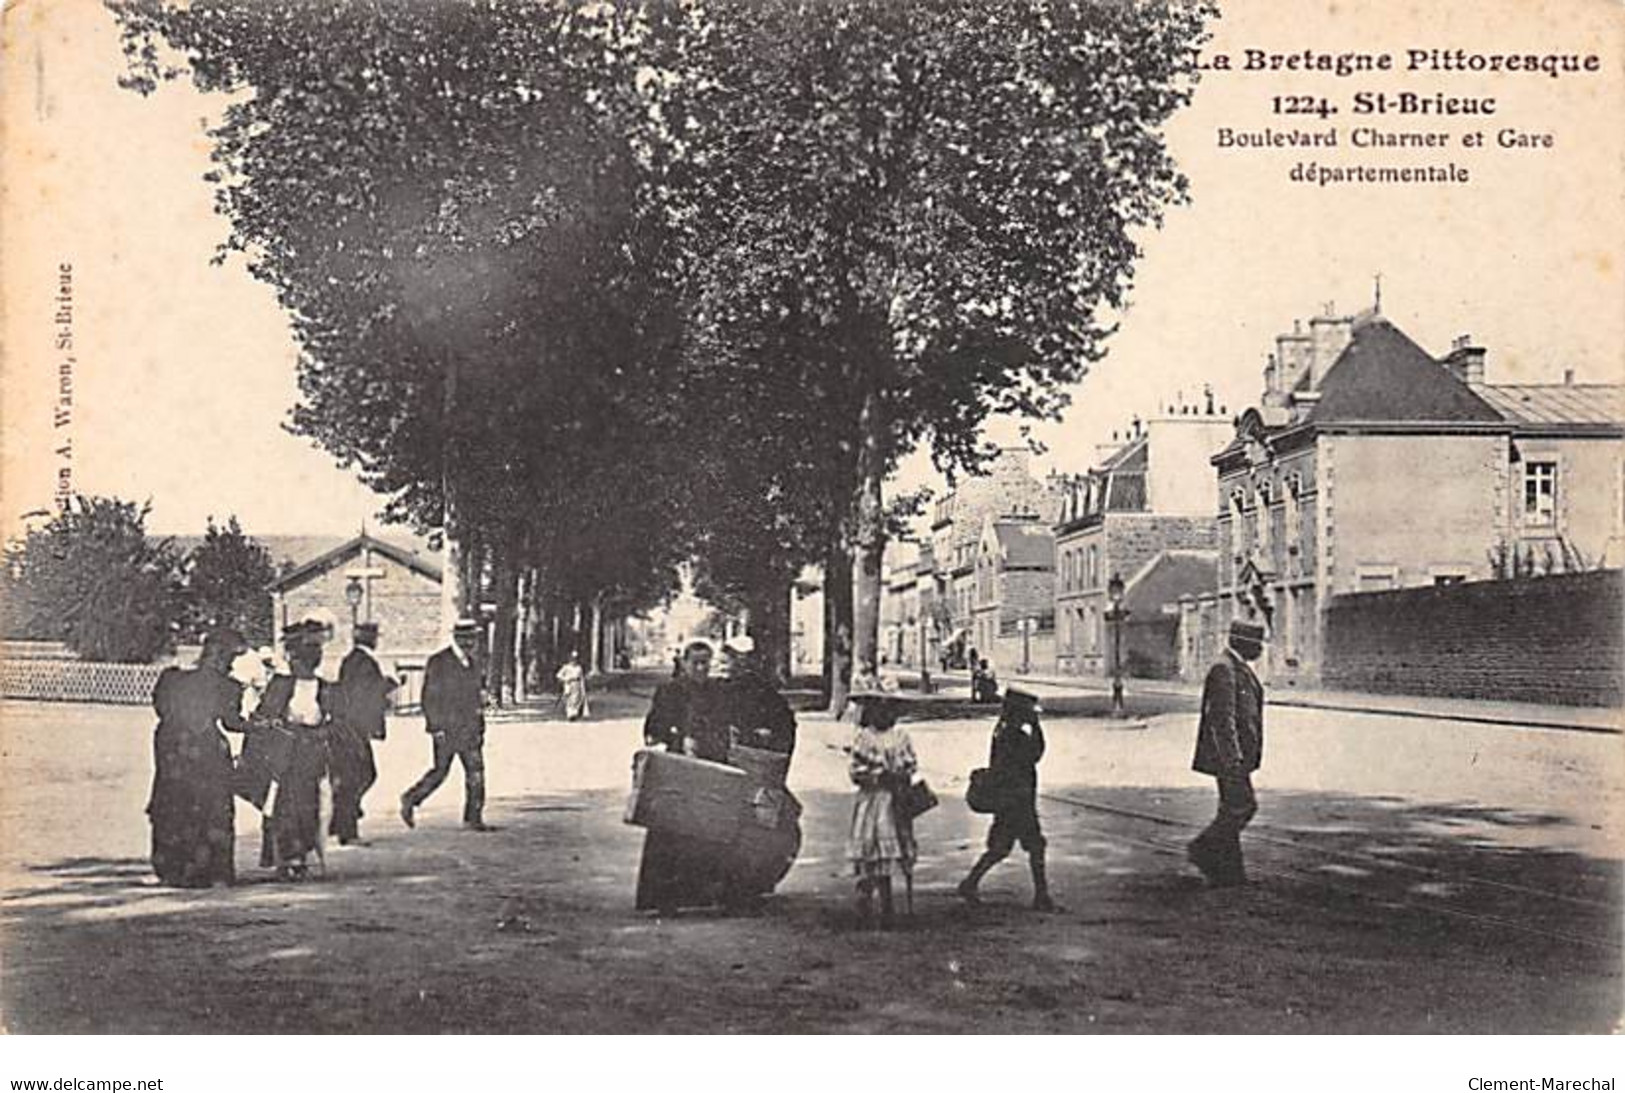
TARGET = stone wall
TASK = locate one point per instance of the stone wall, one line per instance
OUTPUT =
(1538, 639)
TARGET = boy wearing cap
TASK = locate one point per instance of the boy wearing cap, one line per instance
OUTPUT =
(1229, 747)
(452, 712)
(1018, 745)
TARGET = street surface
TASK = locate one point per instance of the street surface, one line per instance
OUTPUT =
(1409, 876)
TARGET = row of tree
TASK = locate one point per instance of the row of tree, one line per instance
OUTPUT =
(597, 289)
(94, 579)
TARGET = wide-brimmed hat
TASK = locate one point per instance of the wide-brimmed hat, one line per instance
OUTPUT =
(226, 639)
(466, 626)
(740, 645)
(306, 632)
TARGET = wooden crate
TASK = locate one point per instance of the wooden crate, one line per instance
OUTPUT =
(692, 798)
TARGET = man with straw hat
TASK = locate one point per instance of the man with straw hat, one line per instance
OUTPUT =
(453, 713)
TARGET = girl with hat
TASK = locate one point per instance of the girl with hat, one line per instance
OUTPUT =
(301, 704)
(880, 843)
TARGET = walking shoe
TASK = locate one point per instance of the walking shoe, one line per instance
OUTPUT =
(1046, 905)
(477, 825)
(967, 892)
(407, 807)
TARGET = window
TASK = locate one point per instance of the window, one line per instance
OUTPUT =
(1376, 578)
(1449, 574)
(1091, 572)
(1540, 492)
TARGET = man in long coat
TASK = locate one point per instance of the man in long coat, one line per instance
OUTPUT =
(453, 712)
(1230, 747)
(365, 689)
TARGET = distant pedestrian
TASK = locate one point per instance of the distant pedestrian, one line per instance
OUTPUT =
(1018, 745)
(300, 708)
(1230, 747)
(365, 687)
(453, 711)
(984, 685)
(880, 842)
(191, 804)
(572, 679)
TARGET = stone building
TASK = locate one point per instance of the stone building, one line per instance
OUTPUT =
(1013, 602)
(1151, 494)
(958, 517)
(1371, 466)
(398, 588)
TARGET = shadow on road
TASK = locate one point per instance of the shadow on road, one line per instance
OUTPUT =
(1367, 914)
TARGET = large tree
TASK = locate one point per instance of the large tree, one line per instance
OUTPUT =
(947, 193)
(228, 580)
(93, 579)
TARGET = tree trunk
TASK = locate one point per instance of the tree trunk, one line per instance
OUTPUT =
(769, 609)
(595, 658)
(504, 663)
(522, 623)
(869, 544)
(838, 627)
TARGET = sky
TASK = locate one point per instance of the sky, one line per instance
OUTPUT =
(184, 372)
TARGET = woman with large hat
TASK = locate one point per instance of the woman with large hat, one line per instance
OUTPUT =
(301, 705)
(191, 806)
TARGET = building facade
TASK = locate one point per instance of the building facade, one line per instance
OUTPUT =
(1013, 601)
(1370, 466)
(1151, 495)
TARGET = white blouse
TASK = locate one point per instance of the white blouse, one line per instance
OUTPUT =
(303, 707)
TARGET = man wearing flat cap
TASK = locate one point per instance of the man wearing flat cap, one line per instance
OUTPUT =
(453, 713)
(1229, 747)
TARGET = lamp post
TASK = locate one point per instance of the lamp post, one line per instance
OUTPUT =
(353, 593)
(1027, 627)
(1114, 590)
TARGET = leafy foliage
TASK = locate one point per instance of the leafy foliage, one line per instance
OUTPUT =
(228, 578)
(92, 579)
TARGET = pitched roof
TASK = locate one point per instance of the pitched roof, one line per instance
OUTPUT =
(1556, 403)
(1170, 575)
(420, 562)
(1383, 376)
(1026, 544)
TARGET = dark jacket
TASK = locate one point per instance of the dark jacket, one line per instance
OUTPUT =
(688, 707)
(1230, 737)
(451, 697)
(1015, 754)
(366, 694)
(758, 715)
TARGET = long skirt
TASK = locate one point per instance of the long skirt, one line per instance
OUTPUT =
(878, 843)
(575, 700)
(293, 826)
(191, 813)
(679, 872)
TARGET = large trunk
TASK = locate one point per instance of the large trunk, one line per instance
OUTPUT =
(595, 659)
(869, 544)
(503, 661)
(770, 626)
(838, 627)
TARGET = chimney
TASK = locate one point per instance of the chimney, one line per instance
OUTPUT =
(1329, 335)
(1466, 360)
(1292, 357)
(1568, 377)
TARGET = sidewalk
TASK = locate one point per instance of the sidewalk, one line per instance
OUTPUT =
(1477, 711)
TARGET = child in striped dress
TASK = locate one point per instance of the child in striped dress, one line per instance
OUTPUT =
(880, 844)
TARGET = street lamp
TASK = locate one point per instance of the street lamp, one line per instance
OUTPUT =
(1027, 628)
(352, 596)
(1116, 615)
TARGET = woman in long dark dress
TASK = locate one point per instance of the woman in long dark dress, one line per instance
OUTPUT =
(191, 804)
(303, 705)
